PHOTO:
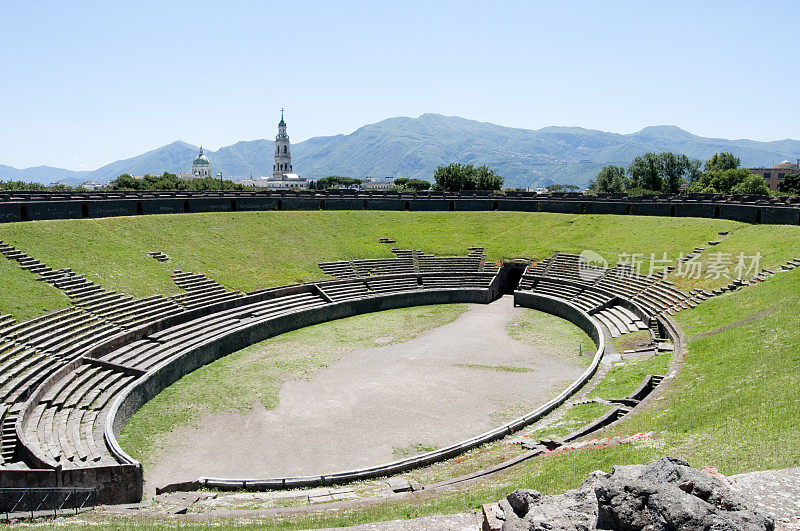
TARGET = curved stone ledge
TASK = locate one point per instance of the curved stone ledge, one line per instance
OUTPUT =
(29, 206)
(548, 304)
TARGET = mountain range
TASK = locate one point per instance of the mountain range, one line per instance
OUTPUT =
(414, 147)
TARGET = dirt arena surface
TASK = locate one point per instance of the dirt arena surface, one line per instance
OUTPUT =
(376, 405)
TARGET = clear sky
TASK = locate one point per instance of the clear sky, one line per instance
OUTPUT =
(86, 83)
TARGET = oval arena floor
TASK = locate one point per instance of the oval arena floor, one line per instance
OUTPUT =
(374, 404)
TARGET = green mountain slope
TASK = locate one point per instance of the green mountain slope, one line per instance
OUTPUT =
(414, 147)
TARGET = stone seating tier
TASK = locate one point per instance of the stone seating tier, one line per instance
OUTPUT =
(409, 262)
(64, 424)
(654, 293)
(157, 347)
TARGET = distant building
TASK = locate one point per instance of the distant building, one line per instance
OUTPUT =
(91, 185)
(201, 167)
(371, 183)
(773, 176)
(283, 176)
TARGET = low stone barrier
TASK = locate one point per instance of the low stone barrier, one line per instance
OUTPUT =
(124, 405)
(29, 206)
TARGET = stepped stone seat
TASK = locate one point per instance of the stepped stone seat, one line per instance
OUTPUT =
(130, 312)
(21, 327)
(43, 336)
(338, 269)
(209, 298)
(8, 438)
(397, 284)
(11, 353)
(14, 389)
(199, 283)
(116, 308)
(344, 289)
(130, 350)
(97, 302)
(625, 316)
(609, 324)
(151, 316)
(63, 426)
(385, 268)
(557, 289)
(85, 291)
(409, 262)
(146, 352)
(203, 330)
(192, 281)
(14, 358)
(622, 325)
(71, 340)
(6, 321)
(449, 281)
(589, 299)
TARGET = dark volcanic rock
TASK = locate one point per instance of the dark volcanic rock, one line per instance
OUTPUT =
(665, 495)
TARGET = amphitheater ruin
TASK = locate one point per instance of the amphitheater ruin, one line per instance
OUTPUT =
(71, 379)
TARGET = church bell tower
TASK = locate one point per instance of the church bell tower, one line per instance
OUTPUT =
(283, 156)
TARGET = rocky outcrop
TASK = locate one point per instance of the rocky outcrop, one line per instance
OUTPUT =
(665, 495)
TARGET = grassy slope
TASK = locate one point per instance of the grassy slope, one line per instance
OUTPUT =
(251, 250)
(22, 296)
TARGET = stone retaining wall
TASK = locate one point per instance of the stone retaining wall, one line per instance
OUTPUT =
(37, 206)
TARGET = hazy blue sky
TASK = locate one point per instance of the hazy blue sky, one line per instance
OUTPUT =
(87, 83)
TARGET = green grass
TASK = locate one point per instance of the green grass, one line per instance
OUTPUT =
(235, 382)
(252, 250)
(575, 417)
(24, 297)
(625, 376)
(559, 336)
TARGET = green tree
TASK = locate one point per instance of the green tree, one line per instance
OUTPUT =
(336, 181)
(722, 161)
(561, 188)
(486, 179)
(752, 184)
(646, 172)
(124, 182)
(22, 186)
(455, 177)
(693, 169)
(610, 180)
(415, 184)
(790, 184)
(170, 181)
(725, 181)
(673, 167)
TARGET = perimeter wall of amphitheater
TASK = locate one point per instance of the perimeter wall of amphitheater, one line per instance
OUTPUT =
(39, 206)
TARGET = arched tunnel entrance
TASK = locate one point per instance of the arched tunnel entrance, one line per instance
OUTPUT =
(511, 272)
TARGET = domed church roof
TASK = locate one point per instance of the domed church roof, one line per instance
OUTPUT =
(201, 160)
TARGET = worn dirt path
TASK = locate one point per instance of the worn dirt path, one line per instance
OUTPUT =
(373, 405)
